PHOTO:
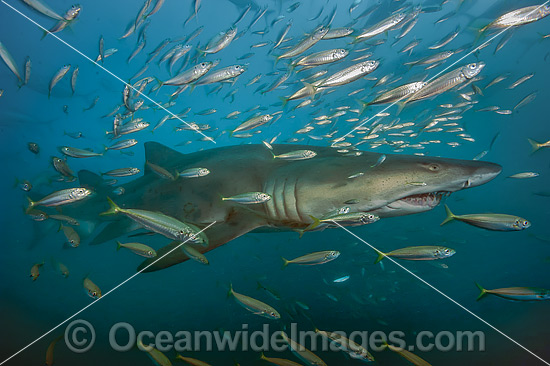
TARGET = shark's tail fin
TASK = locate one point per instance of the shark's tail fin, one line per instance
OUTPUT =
(535, 146)
(450, 216)
(483, 292)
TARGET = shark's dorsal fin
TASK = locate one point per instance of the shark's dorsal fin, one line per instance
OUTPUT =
(160, 154)
(90, 180)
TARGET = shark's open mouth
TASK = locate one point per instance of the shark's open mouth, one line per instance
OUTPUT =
(431, 199)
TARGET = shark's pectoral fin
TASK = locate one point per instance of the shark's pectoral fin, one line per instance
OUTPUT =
(238, 222)
(114, 230)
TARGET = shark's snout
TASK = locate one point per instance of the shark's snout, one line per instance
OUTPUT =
(482, 174)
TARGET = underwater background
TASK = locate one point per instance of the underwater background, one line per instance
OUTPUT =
(191, 296)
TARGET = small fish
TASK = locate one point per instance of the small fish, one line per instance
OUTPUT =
(498, 222)
(524, 175)
(36, 215)
(341, 279)
(69, 220)
(28, 67)
(193, 173)
(62, 167)
(158, 358)
(269, 291)
(51, 347)
(78, 153)
(518, 17)
(411, 357)
(516, 293)
(74, 135)
(93, 104)
(25, 185)
(352, 349)
(194, 254)
(62, 197)
(380, 160)
(528, 99)
(124, 144)
(119, 191)
(313, 258)
(420, 253)
(10, 62)
(249, 198)
(160, 223)
(296, 155)
(278, 361)
(303, 353)
(192, 361)
(91, 288)
(72, 236)
(344, 219)
(255, 306)
(138, 248)
(35, 270)
(160, 171)
(520, 81)
(356, 175)
(43, 8)
(122, 172)
(57, 77)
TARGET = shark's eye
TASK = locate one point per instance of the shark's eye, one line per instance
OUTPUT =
(434, 167)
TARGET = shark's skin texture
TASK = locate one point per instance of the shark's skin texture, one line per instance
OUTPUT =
(299, 188)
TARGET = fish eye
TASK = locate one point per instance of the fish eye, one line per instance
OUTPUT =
(94, 294)
(473, 66)
(203, 64)
(525, 223)
(447, 251)
(149, 253)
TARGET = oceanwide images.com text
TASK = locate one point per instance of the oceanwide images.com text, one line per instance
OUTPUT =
(80, 337)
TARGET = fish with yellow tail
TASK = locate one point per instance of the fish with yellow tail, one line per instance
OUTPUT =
(420, 253)
(516, 293)
(490, 221)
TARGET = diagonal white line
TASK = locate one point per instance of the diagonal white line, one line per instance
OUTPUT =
(439, 73)
(443, 294)
(102, 297)
(107, 71)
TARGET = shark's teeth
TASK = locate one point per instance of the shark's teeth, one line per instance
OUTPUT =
(431, 199)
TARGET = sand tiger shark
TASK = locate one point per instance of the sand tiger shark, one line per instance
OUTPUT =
(400, 185)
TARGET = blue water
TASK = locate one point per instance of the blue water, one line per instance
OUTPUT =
(193, 297)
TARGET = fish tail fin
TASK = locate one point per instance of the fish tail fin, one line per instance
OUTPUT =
(118, 245)
(284, 100)
(192, 87)
(230, 291)
(16, 182)
(259, 286)
(363, 106)
(483, 292)
(60, 227)
(285, 262)
(316, 222)
(262, 356)
(450, 216)
(113, 208)
(400, 106)
(44, 34)
(535, 146)
(31, 204)
(380, 256)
